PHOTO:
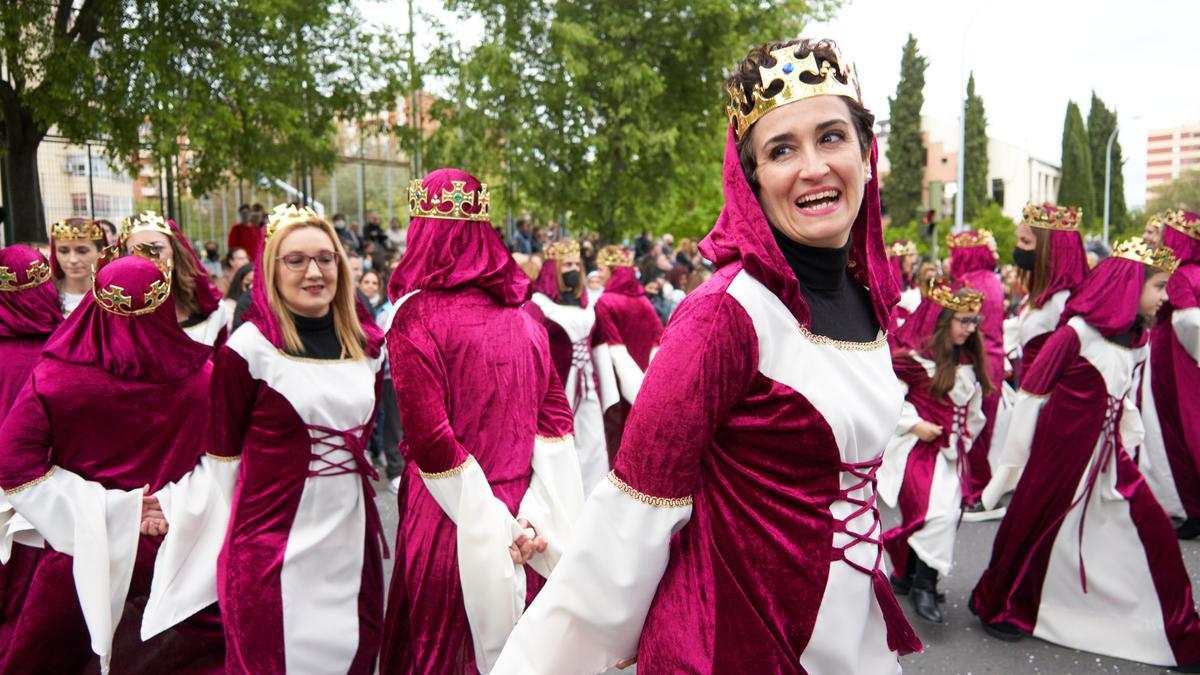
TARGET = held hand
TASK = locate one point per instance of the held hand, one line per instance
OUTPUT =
(525, 547)
(154, 521)
(626, 663)
(926, 431)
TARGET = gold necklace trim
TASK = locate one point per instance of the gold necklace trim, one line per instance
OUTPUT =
(844, 344)
(25, 486)
(223, 458)
(551, 439)
(450, 473)
(667, 502)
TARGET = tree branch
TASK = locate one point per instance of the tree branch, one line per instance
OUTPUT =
(86, 30)
(62, 17)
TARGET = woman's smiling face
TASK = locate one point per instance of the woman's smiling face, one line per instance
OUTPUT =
(811, 170)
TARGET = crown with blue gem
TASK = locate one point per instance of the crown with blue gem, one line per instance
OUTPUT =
(451, 203)
(801, 77)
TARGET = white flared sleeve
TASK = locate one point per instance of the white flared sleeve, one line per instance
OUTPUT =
(1186, 324)
(197, 509)
(1017, 443)
(493, 586)
(1132, 430)
(98, 528)
(606, 376)
(895, 456)
(554, 499)
(629, 375)
(15, 529)
(976, 420)
(589, 616)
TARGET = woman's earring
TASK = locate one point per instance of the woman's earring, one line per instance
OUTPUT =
(870, 175)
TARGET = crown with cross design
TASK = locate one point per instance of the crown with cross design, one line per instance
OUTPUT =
(36, 274)
(451, 203)
(113, 298)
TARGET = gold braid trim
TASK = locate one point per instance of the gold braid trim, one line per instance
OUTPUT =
(222, 458)
(846, 345)
(25, 486)
(668, 502)
(449, 473)
(552, 439)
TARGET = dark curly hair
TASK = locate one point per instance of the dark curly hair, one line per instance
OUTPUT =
(746, 76)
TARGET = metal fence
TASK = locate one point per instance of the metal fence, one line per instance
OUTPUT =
(77, 180)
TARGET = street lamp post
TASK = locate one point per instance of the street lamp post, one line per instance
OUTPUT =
(1108, 175)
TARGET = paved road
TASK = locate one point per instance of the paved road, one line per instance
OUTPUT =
(959, 646)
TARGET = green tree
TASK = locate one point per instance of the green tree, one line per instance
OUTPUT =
(975, 172)
(251, 87)
(1101, 122)
(906, 149)
(1076, 187)
(609, 113)
(1181, 193)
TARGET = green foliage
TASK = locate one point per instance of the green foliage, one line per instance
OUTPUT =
(1181, 193)
(1076, 188)
(611, 114)
(906, 149)
(1100, 123)
(975, 172)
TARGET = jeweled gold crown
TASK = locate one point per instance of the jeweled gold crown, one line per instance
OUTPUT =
(827, 79)
(147, 221)
(1176, 219)
(86, 230)
(288, 214)
(449, 205)
(901, 248)
(1137, 250)
(112, 298)
(564, 248)
(970, 302)
(1050, 217)
(36, 274)
(970, 239)
(614, 256)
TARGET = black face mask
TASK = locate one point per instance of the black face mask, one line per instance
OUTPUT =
(213, 255)
(1023, 259)
(571, 279)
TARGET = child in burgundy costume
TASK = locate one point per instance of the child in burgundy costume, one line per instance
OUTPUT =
(1085, 556)
(119, 401)
(487, 436)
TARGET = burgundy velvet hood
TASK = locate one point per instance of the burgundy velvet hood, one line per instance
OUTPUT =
(207, 296)
(1186, 249)
(624, 281)
(1108, 300)
(28, 300)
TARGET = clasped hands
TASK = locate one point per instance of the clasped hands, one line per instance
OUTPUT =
(154, 521)
(525, 546)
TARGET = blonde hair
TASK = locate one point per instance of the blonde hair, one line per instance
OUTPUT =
(345, 317)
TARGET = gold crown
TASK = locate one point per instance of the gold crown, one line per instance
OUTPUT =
(833, 79)
(970, 302)
(900, 248)
(565, 248)
(38, 273)
(148, 221)
(1049, 217)
(87, 230)
(1176, 219)
(613, 256)
(288, 214)
(112, 298)
(970, 239)
(1137, 250)
(455, 196)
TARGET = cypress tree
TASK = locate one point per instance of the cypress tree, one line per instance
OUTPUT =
(976, 194)
(1076, 188)
(1100, 123)
(906, 149)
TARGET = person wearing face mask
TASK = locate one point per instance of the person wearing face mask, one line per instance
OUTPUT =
(940, 359)
(75, 245)
(349, 239)
(738, 530)
(1085, 556)
(562, 306)
(247, 232)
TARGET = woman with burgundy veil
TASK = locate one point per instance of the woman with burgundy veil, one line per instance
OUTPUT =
(118, 405)
(738, 530)
(29, 312)
(1085, 556)
(492, 483)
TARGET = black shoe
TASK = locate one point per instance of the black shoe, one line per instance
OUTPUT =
(900, 585)
(977, 507)
(1002, 630)
(1190, 529)
(924, 592)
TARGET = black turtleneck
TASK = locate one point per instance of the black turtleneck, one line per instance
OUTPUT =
(318, 337)
(1128, 337)
(840, 308)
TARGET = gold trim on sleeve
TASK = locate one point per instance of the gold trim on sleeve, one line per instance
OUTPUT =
(552, 439)
(25, 486)
(846, 345)
(222, 458)
(668, 502)
(450, 473)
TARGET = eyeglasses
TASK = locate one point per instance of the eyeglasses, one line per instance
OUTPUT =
(298, 262)
(972, 321)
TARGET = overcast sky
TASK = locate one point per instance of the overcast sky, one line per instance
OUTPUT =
(1029, 56)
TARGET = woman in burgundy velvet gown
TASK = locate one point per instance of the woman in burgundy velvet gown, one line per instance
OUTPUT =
(119, 401)
(492, 480)
(941, 362)
(738, 530)
(1085, 556)
(29, 313)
